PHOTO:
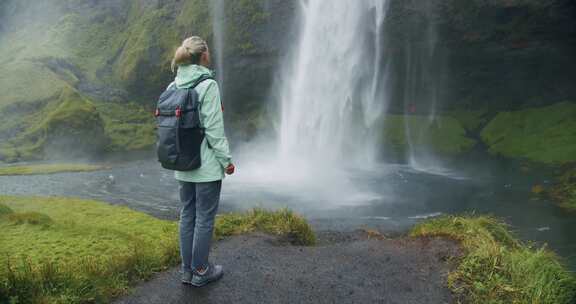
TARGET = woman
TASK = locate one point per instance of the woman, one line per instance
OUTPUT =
(200, 188)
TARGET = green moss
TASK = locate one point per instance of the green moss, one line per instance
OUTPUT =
(546, 134)
(443, 135)
(130, 137)
(148, 47)
(471, 121)
(252, 9)
(5, 210)
(79, 49)
(47, 169)
(69, 122)
(73, 110)
(496, 268)
(23, 78)
(24, 82)
(96, 44)
(8, 154)
(128, 126)
(194, 18)
(111, 127)
(81, 228)
(83, 249)
(564, 190)
(32, 218)
(243, 17)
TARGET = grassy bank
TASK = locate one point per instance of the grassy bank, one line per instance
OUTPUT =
(445, 135)
(564, 190)
(63, 250)
(48, 169)
(496, 268)
(542, 135)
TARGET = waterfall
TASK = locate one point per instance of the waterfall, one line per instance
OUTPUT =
(218, 26)
(333, 85)
(423, 66)
(341, 76)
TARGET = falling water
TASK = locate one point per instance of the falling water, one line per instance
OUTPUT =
(423, 67)
(218, 26)
(336, 88)
(337, 84)
(332, 95)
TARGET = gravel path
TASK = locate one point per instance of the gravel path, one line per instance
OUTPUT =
(343, 268)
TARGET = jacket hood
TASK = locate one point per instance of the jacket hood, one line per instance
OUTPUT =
(188, 74)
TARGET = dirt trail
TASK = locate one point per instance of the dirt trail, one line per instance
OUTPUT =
(343, 268)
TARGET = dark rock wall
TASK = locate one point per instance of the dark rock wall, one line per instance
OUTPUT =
(257, 35)
(499, 55)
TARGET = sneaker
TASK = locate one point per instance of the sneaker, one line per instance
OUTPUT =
(186, 277)
(211, 274)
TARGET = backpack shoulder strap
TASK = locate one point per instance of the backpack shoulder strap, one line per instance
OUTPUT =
(171, 86)
(200, 80)
(194, 85)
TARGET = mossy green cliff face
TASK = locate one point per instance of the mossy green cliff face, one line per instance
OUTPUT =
(256, 34)
(68, 126)
(544, 134)
(115, 56)
(65, 90)
(442, 135)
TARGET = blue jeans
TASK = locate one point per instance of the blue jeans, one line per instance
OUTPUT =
(199, 207)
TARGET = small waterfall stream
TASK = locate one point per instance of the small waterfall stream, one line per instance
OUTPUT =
(423, 68)
(219, 36)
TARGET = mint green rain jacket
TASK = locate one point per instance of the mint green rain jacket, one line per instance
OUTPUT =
(216, 157)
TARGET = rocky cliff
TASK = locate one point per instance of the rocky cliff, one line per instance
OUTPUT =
(114, 57)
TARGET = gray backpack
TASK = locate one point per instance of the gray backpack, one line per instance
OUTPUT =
(180, 132)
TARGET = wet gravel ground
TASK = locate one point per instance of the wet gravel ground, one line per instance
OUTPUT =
(344, 268)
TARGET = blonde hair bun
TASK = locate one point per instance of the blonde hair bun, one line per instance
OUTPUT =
(189, 51)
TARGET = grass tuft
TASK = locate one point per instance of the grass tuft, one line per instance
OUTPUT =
(564, 190)
(283, 223)
(496, 268)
